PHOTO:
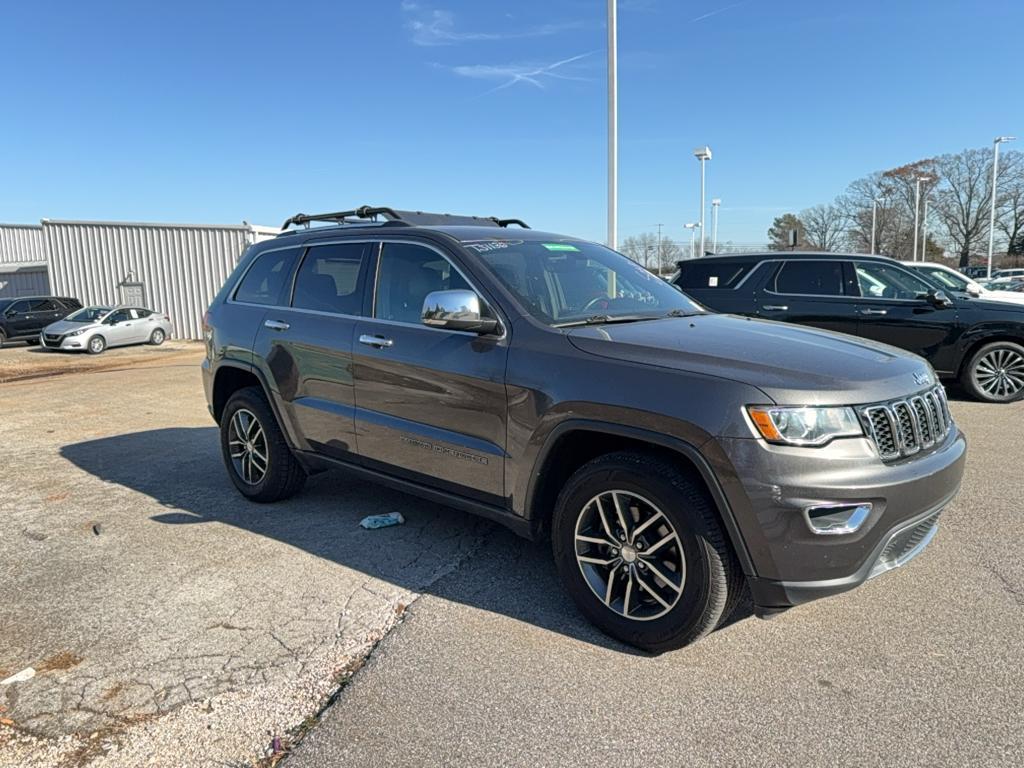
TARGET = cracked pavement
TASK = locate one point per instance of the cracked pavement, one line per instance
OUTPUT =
(170, 621)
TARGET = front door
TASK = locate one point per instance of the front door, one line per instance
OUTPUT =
(120, 328)
(891, 309)
(430, 403)
(815, 292)
(305, 343)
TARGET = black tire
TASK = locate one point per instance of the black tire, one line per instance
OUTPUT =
(713, 582)
(3, 338)
(157, 337)
(95, 345)
(979, 382)
(283, 476)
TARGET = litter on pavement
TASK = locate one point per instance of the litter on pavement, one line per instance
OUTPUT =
(382, 521)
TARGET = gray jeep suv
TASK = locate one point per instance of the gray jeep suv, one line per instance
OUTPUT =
(675, 457)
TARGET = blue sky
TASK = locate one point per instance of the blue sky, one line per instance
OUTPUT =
(219, 112)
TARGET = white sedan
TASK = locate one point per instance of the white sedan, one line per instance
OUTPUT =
(952, 280)
(93, 329)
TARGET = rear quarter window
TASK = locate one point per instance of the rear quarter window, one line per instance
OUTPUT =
(268, 280)
(704, 275)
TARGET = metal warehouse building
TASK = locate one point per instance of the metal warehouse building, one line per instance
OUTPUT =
(172, 268)
(22, 261)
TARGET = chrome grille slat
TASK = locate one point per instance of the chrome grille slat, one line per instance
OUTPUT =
(901, 428)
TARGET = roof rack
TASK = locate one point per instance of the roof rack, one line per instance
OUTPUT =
(400, 218)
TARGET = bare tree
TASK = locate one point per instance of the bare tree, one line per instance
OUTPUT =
(1010, 202)
(825, 226)
(669, 254)
(961, 201)
(892, 219)
(644, 249)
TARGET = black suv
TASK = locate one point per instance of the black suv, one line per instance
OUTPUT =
(24, 318)
(978, 341)
(674, 456)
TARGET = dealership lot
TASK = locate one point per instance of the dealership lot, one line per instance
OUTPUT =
(181, 625)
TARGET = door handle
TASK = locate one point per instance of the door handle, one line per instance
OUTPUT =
(874, 312)
(375, 341)
(276, 325)
(774, 307)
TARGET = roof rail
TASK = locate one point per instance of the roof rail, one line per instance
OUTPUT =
(399, 218)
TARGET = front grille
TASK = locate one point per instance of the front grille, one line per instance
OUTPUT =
(906, 544)
(52, 338)
(901, 428)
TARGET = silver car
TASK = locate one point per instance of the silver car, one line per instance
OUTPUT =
(93, 329)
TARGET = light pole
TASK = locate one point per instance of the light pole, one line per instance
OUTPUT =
(917, 209)
(995, 175)
(874, 223)
(703, 154)
(715, 203)
(924, 229)
(613, 128)
(692, 226)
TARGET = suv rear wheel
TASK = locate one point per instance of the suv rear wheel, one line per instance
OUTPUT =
(995, 373)
(258, 459)
(640, 550)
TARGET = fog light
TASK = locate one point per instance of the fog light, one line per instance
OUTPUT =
(837, 519)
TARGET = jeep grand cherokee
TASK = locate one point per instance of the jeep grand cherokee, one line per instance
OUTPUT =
(675, 457)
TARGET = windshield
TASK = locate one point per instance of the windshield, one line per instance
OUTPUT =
(946, 279)
(88, 314)
(565, 282)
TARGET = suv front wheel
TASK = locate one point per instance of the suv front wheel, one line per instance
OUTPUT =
(639, 548)
(257, 457)
(995, 373)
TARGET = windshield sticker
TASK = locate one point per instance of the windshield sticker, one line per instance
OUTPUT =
(561, 247)
(483, 246)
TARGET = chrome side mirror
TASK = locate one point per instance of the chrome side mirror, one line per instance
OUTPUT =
(973, 289)
(939, 299)
(459, 310)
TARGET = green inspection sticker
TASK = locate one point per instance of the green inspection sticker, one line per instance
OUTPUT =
(560, 247)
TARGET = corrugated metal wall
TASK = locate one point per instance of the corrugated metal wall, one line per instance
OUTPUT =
(21, 242)
(181, 267)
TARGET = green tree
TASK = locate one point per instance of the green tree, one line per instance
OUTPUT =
(778, 233)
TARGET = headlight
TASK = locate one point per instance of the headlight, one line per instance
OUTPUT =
(79, 332)
(805, 425)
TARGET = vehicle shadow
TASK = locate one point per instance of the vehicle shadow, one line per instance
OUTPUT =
(502, 573)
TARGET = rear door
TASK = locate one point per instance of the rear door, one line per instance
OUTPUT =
(891, 310)
(815, 292)
(42, 312)
(430, 403)
(305, 346)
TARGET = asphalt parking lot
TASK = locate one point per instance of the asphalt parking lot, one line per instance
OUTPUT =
(170, 623)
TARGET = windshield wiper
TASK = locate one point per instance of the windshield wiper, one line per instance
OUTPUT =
(604, 319)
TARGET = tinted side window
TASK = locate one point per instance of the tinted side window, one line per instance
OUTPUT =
(18, 307)
(712, 275)
(407, 273)
(119, 316)
(329, 278)
(44, 305)
(883, 281)
(268, 280)
(810, 278)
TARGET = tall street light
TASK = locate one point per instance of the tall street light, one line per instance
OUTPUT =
(613, 128)
(874, 223)
(924, 229)
(703, 154)
(715, 203)
(995, 175)
(693, 227)
(917, 209)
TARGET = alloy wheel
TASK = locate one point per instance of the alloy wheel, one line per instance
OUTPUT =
(630, 555)
(247, 444)
(1000, 373)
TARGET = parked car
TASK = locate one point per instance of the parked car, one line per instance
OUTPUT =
(676, 457)
(981, 343)
(94, 329)
(975, 272)
(949, 279)
(1011, 274)
(22, 319)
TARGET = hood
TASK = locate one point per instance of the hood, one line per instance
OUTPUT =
(791, 364)
(66, 326)
(1006, 297)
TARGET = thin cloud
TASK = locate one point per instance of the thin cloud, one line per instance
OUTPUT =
(723, 9)
(512, 74)
(430, 26)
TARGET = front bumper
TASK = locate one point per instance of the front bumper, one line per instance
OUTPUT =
(64, 342)
(770, 487)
